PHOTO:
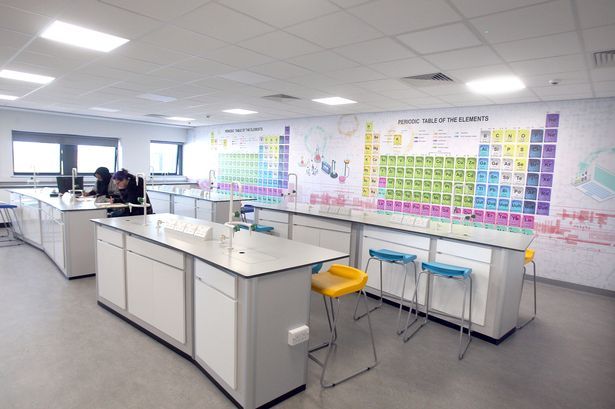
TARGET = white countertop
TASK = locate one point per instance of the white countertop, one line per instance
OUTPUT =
(198, 194)
(64, 204)
(262, 254)
(494, 238)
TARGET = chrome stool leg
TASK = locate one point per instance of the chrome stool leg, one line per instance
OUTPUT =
(401, 302)
(415, 299)
(523, 324)
(358, 317)
(462, 350)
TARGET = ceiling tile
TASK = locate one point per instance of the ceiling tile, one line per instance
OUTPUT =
(466, 100)
(323, 61)
(282, 13)
(356, 74)
(6, 53)
(22, 21)
(185, 91)
(514, 100)
(469, 74)
(129, 64)
(382, 85)
(549, 65)
(73, 55)
(445, 89)
(549, 46)
(602, 74)
(405, 68)
(375, 51)
(174, 74)
(17, 88)
(334, 30)
(13, 39)
(49, 8)
(572, 89)
(349, 3)
(280, 45)
(181, 40)
(160, 10)
(289, 88)
(237, 56)
(280, 70)
(596, 13)
(203, 66)
(440, 39)
(399, 16)
(318, 81)
(605, 89)
(108, 19)
(108, 72)
(221, 22)
(246, 77)
(44, 63)
(539, 20)
(564, 78)
(220, 84)
(405, 94)
(600, 38)
(466, 58)
(474, 8)
(150, 53)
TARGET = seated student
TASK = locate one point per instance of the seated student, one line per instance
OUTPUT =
(105, 186)
(129, 193)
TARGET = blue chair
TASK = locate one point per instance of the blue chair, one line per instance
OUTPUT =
(8, 222)
(447, 271)
(259, 228)
(392, 257)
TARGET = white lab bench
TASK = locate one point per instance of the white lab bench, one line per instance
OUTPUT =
(496, 258)
(59, 227)
(190, 202)
(229, 312)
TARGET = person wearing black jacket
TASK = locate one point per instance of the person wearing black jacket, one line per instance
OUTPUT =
(130, 192)
(105, 186)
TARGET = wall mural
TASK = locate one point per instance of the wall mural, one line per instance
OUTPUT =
(543, 168)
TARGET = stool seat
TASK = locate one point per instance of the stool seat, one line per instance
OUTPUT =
(259, 228)
(246, 209)
(7, 206)
(448, 270)
(340, 280)
(529, 256)
(392, 256)
(316, 268)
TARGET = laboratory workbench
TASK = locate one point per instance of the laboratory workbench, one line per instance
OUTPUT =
(495, 257)
(229, 311)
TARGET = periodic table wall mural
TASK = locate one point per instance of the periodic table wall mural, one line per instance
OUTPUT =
(541, 168)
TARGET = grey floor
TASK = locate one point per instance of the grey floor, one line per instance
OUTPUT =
(58, 349)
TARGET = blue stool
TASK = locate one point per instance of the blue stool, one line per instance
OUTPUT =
(259, 228)
(434, 269)
(316, 268)
(392, 257)
(9, 223)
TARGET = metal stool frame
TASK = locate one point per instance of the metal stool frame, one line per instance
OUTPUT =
(9, 224)
(520, 326)
(465, 279)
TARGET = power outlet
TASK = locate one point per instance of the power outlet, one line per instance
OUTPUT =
(298, 335)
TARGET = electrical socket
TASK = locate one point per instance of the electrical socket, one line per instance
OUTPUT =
(298, 335)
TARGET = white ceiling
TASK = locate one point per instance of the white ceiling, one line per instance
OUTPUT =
(216, 55)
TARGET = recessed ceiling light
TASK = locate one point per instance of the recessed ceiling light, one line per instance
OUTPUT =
(239, 111)
(82, 37)
(24, 76)
(496, 85)
(103, 109)
(180, 118)
(8, 97)
(335, 101)
(156, 97)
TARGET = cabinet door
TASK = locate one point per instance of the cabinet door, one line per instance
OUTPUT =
(110, 275)
(161, 202)
(169, 301)
(215, 331)
(184, 206)
(47, 230)
(307, 235)
(204, 210)
(58, 243)
(140, 286)
(31, 220)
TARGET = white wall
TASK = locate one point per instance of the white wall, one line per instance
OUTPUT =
(134, 137)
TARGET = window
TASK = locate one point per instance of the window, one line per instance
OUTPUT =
(58, 154)
(165, 158)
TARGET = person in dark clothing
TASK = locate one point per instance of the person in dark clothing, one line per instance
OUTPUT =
(130, 192)
(105, 186)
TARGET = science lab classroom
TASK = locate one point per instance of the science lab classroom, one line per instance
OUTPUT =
(313, 204)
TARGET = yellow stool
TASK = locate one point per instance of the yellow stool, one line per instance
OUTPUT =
(529, 258)
(339, 281)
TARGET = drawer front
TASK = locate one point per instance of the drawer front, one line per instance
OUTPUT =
(469, 251)
(218, 279)
(110, 236)
(184, 201)
(270, 215)
(393, 236)
(203, 205)
(155, 252)
(321, 223)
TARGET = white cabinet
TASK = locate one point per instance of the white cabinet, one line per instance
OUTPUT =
(110, 276)
(277, 220)
(215, 322)
(31, 219)
(161, 202)
(184, 206)
(330, 234)
(204, 210)
(156, 294)
(47, 229)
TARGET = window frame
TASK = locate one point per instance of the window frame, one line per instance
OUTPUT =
(179, 160)
(68, 143)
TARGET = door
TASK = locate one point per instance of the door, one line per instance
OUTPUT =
(140, 286)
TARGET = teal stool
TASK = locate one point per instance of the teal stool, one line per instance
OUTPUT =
(259, 228)
(447, 271)
(5, 218)
(392, 257)
(316, 268)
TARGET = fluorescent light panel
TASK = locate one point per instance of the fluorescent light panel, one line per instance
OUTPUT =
(82, 37)
(180, 118)
(334, 101)
(239, 111)
(24, 76)
(496, 85)
(156, 97)
(103, 109)
(8, 97)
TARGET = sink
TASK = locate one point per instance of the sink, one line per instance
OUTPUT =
(250, 256)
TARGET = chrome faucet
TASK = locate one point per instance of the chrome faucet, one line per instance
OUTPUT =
(211, 179)
(233, 225)
(74, 185)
